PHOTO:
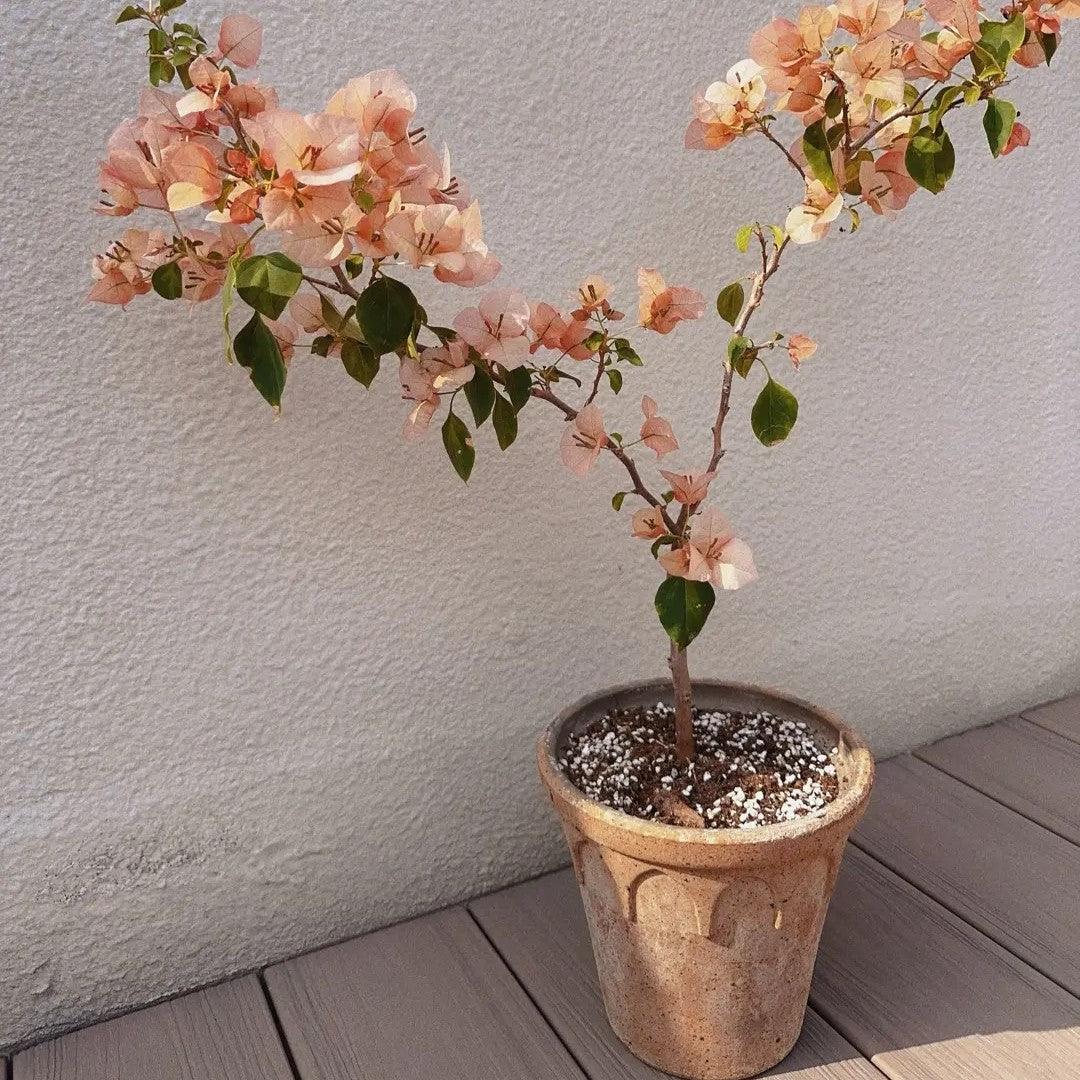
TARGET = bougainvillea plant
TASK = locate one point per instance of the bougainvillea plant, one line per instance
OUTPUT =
(343, 202)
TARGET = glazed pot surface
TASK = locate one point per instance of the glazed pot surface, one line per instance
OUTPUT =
(705, 939)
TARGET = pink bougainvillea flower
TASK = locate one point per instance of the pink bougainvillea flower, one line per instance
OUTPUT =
(564, 336)
(885, 183)
(123, 272)
(656, 432)
(1065, 9)
(240, 41)
(810, 220)
(378, 102)
(430, 178)
(788, 51)
(583, 439)
(592, 294)
(648, 523)
(1020, 136)
(869, 70)
(204, 276)
(209, 86)
(496, 327)
(661, 307)
(713, 553)
(689, 488)
(727, 109)
(192, 176)
(416, 386)
(800, 348)
(317, 150)
(445, 238)
(250, 99)
(322, 243)
(867, 19)
(961, 16)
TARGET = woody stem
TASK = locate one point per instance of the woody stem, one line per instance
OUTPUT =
(684, 704)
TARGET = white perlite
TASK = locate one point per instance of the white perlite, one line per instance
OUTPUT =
(751, 768)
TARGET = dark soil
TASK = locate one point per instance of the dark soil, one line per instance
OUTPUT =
(751, 768)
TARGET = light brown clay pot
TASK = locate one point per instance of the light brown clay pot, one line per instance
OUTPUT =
(705, 939)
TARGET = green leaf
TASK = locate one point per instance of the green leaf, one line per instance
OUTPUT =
(737, 346)
(615, 378)
(930, 159)
(942, 101)
(321, 345)
(354, 266)
(165, 6)
(742, 238)
(594, 340)
(741, 354)
(257, 350)
(1049, 44)
(228, 295)
(161, 71)
(834, 103)
(359, 361)
(819, 155)
(729, 303)
(386, 311)
(168, 281)
(480, 394)
(683, 607)
(158, 41)
(997, 45)
(129, 13)
(774, 413)
(504, 420)
(268, 282)
(998, 121)
(459, 448)
(625, 351)
(519, 387)
(617, 500)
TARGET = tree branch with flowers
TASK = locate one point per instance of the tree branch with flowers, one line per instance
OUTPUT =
(344, 200)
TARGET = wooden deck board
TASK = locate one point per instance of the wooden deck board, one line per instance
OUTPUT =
(539, 929)
(1004, 874)
(223, 1033)
(426, 999)
(1062, 717)
(927, 997)
(1020, 764)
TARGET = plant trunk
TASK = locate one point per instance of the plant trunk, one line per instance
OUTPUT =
(684, 703)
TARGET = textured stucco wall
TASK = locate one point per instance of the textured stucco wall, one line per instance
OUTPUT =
(263, 684)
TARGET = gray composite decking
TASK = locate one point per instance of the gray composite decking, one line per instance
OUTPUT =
(951, 952)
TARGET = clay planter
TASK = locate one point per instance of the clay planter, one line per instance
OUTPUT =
(705, 938)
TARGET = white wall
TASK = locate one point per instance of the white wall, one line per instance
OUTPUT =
(263, 685)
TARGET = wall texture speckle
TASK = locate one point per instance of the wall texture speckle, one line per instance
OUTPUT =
(267, 684)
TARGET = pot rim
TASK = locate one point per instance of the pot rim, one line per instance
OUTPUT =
(849, 803)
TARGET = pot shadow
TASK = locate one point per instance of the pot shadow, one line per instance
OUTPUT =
(899, 980)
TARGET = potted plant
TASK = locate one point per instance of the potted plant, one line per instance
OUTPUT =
(706, 821)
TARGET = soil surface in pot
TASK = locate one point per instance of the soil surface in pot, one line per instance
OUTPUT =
(751, 769)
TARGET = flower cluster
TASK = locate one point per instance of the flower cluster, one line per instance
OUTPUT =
(859, 75)
(357, 181)
(342, 196)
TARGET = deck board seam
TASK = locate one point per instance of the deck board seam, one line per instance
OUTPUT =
(279, 1028)
(1001, 802)
(525, 990)
(854, 841)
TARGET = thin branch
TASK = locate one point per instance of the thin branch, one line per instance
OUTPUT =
(910, 110)
(628, 463)
(769, 267)
(784, 150)
(345, 285)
